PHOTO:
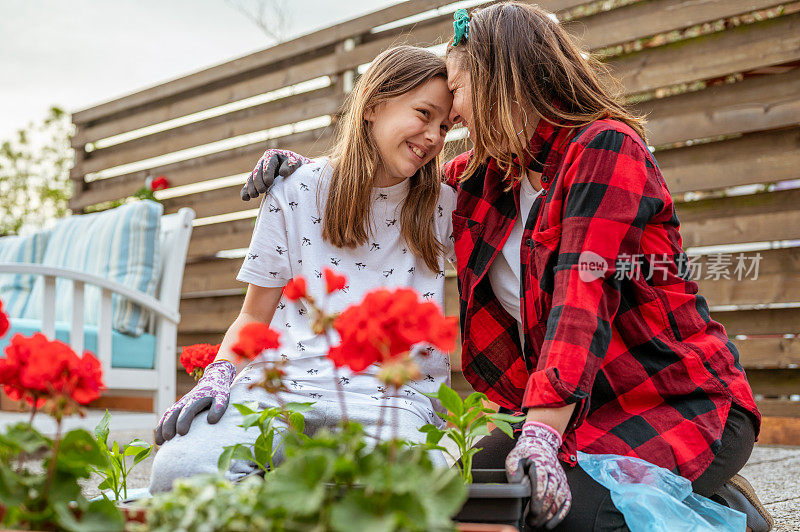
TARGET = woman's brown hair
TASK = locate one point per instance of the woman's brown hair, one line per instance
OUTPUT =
(346, 221)
(518, 56)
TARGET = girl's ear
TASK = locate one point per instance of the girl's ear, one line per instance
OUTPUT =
(369, 114)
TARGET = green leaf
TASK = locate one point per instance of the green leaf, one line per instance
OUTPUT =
(297, 422)
(131, 449)
(505, 427)
(450, 400)
(250, 420)
(250, 407)
(299, 407)
(474, 399)
(99, 516)
(101, 430)
(356, 511)
(142, 455)
(434, 433)
(77, 451)
(224, 461)
(506, 417)
(262, 449)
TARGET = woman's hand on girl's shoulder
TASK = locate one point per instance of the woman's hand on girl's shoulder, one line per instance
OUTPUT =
(272, 164)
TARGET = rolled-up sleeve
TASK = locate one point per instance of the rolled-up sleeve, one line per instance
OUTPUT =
(612, 190)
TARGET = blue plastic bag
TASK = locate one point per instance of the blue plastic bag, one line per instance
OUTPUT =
(654, 499)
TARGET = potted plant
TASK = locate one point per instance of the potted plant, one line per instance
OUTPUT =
(491, 498)
(39, 476)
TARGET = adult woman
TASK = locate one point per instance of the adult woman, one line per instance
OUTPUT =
(575, 301)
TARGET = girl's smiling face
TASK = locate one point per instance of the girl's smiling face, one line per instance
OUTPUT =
(409, 129)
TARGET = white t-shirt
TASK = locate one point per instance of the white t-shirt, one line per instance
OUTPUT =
(287, 241)
(504, 273)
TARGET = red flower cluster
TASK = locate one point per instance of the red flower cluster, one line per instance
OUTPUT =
(198, 356)
(255, 338)
(4, 324)
(333, 281)
(36, 369)
(159, 183)
(386, 324)
(296, 288)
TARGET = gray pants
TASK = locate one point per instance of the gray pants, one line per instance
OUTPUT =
(198, 451)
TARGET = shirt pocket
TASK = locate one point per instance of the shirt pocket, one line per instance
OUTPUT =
(467, 235)
(544, 254)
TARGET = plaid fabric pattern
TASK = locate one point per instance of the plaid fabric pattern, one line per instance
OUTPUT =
(651, 374)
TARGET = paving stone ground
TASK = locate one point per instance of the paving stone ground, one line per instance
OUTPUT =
(774, 472)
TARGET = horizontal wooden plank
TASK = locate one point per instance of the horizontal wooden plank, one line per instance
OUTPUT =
(215, 165)
(759, 322)
(775, 352)
(774, 281)
(209, 239)
(754, 104)
(740, 49)
(211, 202)
(650, 17)
(212, 315)
(779, 408)
(210, 275)
(766, 216)
(262, 117)
(763, 157)
(779, 431)
(774, 382)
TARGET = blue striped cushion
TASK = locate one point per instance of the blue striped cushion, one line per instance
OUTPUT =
(15, 289)
(122, 245)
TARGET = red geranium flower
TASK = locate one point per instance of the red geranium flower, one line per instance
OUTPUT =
(333, 281)
(198, 356)
(255, 338)
(4, 324)
(295, 288)
(159, 183)
(386, 325)
(36, 369)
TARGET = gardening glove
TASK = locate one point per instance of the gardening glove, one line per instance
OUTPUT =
(212, 390)
(272, 164)
(536, 454)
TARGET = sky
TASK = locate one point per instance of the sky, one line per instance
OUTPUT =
(78, 53)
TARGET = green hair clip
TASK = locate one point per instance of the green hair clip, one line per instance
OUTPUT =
(460, 26)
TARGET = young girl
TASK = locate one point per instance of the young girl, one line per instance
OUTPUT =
(376, 212)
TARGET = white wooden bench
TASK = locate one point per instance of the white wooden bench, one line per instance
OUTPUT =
(160, 381)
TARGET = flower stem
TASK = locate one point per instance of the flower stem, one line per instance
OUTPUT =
(382, 416)
(51, 470)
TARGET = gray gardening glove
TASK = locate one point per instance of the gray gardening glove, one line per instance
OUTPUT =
(272, 164)
(212, 390)
(536, 454)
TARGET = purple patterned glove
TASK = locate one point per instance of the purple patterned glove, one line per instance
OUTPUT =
(272, 164)
(212, 390)
(536, 453)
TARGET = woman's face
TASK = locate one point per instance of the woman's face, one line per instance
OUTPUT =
(458, 81)
(409, 129)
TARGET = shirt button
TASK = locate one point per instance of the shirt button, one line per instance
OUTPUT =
(545, 179)
(573, 458)
(530, 242)
(544, 192)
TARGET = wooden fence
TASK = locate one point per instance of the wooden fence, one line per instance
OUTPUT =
(719, 81)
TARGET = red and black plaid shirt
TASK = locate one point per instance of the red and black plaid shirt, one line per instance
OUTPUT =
(651, 374)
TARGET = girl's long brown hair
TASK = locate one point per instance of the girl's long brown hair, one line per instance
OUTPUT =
(518, 56)
(346, 221)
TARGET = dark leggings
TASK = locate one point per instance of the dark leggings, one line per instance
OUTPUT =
(592, 508)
